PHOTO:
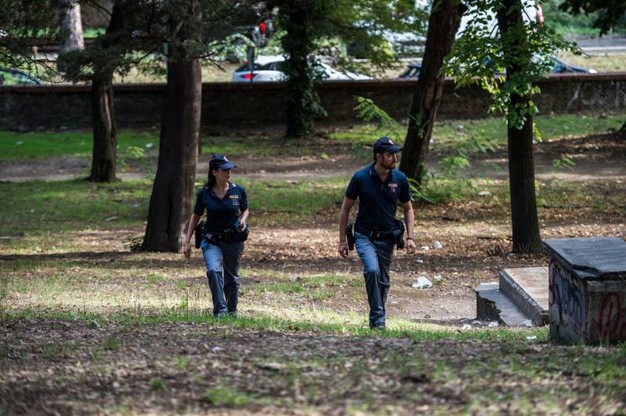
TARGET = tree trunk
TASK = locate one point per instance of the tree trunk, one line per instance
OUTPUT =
(72, 25)
(104, 153)
(170, 203)
(299, 90)
(104, 159)
(442, 27)
(524, 218)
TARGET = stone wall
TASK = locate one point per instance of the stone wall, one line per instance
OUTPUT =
(243, 106)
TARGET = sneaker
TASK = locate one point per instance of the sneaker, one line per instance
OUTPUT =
(378, 327)
(232, 313)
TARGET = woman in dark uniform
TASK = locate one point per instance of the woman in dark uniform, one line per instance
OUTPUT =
(223, 234)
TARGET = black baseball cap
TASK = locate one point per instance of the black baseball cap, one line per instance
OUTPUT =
(220, 162)
(384, 144)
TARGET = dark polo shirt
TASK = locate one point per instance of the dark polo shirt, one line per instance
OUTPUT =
(222, 214)
(378, 199)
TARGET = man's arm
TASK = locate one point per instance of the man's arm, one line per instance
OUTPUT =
(344, 215)
(409, 220)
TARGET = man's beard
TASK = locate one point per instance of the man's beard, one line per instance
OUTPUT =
(387, 166)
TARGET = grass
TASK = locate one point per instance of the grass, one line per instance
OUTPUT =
(63, 263)
(473, 135)
(19, 146)
(488, 134)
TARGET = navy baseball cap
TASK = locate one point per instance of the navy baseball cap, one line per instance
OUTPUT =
(220, 162)
(384, 144)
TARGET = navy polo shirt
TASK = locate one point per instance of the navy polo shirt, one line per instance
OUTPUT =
(222, 214)
(378, 199)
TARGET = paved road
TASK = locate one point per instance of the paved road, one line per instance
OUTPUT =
(614, 44)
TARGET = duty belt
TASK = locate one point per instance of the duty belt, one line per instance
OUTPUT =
(382, 235)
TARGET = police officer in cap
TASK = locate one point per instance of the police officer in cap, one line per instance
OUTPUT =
(225, 230)
(379, 187)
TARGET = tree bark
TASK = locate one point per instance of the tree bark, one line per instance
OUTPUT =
(104, 153)
(170, 203)
(72, 26)
(442, 27)
(524, 218)
(104, 156)
(299, 88)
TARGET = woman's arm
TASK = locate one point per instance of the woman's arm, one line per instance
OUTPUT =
(243, 218)
(193, 221)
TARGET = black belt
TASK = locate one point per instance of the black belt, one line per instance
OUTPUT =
(380, 235)
(227, 237)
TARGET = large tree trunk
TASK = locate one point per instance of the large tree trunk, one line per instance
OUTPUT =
(170, 203)
(104, 160)
(442, 27)
(300, 93)
(524, 218)
(72, 26)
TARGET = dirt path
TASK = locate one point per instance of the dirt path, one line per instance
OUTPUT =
(595, 157)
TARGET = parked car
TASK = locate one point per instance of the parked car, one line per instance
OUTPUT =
(561, 67)
(412, 70)
(558, 67)
(9, 76)
(271, 69)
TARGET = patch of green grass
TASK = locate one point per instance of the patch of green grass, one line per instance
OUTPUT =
(227, 397)
(39, 207)
(293, 201)
(158, 384)
(484, 135)
(57, 350)
(110, 343)
(316, 287)
(33, 145)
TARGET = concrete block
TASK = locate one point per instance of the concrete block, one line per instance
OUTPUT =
(527, 287)
(587, 290)
(493, 305)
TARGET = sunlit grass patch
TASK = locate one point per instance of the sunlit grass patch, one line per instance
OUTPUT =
(282, 202)
(16, 146)
(40, 207)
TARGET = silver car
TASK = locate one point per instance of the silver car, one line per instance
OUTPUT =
(270, 69)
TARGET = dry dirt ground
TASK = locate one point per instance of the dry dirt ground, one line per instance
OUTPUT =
(75, 367)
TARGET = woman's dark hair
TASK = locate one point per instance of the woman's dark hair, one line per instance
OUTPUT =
(211, 178)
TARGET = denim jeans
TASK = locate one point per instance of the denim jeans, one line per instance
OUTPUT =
(376, 256)
(222, 270)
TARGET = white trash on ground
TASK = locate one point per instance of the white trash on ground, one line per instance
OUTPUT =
(422, 283)
(437, 245)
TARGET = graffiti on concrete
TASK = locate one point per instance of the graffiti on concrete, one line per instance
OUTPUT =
(612, 316)
(567, 297)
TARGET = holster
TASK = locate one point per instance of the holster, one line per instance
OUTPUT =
(398, 233)
(350, 235)
(197, 233)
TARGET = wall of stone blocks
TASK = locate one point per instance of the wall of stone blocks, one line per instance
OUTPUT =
(250, 106)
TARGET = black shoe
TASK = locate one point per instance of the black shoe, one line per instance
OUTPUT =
(378, 327)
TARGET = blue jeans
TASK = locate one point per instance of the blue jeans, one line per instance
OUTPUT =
(376, 256)
(222, 270)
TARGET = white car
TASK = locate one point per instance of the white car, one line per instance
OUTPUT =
(270, 69)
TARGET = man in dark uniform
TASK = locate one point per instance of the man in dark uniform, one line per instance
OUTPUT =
(379, 186)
